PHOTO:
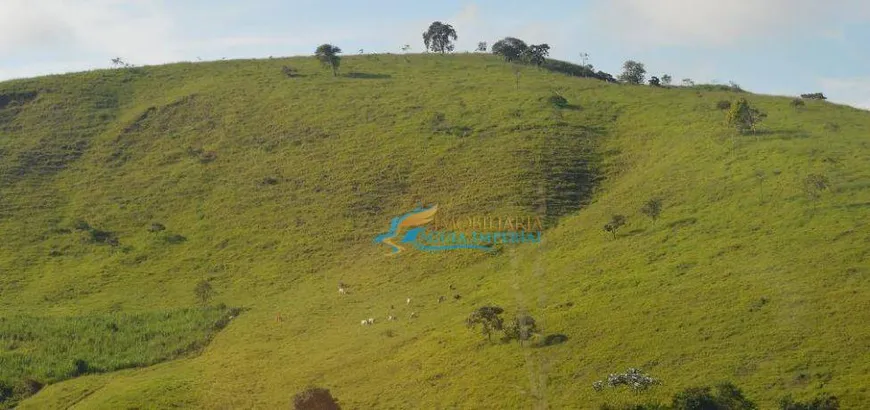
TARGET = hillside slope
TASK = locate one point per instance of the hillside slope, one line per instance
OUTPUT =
(272, 189)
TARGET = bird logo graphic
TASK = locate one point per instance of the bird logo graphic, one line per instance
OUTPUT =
(412, 222)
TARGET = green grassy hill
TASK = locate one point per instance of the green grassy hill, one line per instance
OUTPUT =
(272, 188)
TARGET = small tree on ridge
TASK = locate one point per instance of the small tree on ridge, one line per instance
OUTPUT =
(327, 54)
(439, 37)
(633, 72)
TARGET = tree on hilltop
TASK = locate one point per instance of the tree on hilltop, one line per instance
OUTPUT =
(439, 37)
(510, 48)
(633, 72)
(328, 55)
(536, 54)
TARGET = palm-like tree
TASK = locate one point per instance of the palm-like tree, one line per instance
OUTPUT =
(328, 55)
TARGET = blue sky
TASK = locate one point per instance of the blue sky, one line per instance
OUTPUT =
(783, 47)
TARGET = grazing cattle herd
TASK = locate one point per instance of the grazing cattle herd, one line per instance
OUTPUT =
(342, 289)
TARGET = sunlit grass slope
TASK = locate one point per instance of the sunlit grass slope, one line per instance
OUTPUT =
(272, 188)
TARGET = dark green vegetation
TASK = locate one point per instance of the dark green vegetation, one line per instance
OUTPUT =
(315, 398)
(38, 350)
(278, 184)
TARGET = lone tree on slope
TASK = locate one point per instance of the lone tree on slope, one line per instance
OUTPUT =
(488, 318)
(328, 55)
(203, 291)
(616, 222)
(744, 117)
(439, 37)
(652, 209)
(633, 72)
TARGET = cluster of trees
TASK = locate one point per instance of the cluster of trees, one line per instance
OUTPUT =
(651, 208)
(488, 318)
(727, 396)
(513, 49)
(814, 96)
(440, 37)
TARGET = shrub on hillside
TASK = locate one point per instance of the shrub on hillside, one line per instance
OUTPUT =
(726, 397)
(655, 82)
(5, 392)
(203, 291)
(797, 102)
(744, 117)
(558, 101)
(106, 237)
(616, 222)
(26, 387)
(81, 225)
(207, 157)
(79, 367)
(156, 227)
(315, 398)
(437, 121)
(289, 71)
(723, 104)
(815, 184)
(814, 96)
(824, 402)
(652, 209)
(520, 329)
(175, 239)
(648, 406)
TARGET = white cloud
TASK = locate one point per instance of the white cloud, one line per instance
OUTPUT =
(721, 23)
(138, 30)
(854, 91)
(30, 26)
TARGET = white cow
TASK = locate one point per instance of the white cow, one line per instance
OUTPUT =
(408, 301)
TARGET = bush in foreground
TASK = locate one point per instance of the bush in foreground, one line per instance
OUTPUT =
(315, 398)
(823, 402)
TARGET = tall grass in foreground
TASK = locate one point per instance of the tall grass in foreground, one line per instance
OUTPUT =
(50, 349)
